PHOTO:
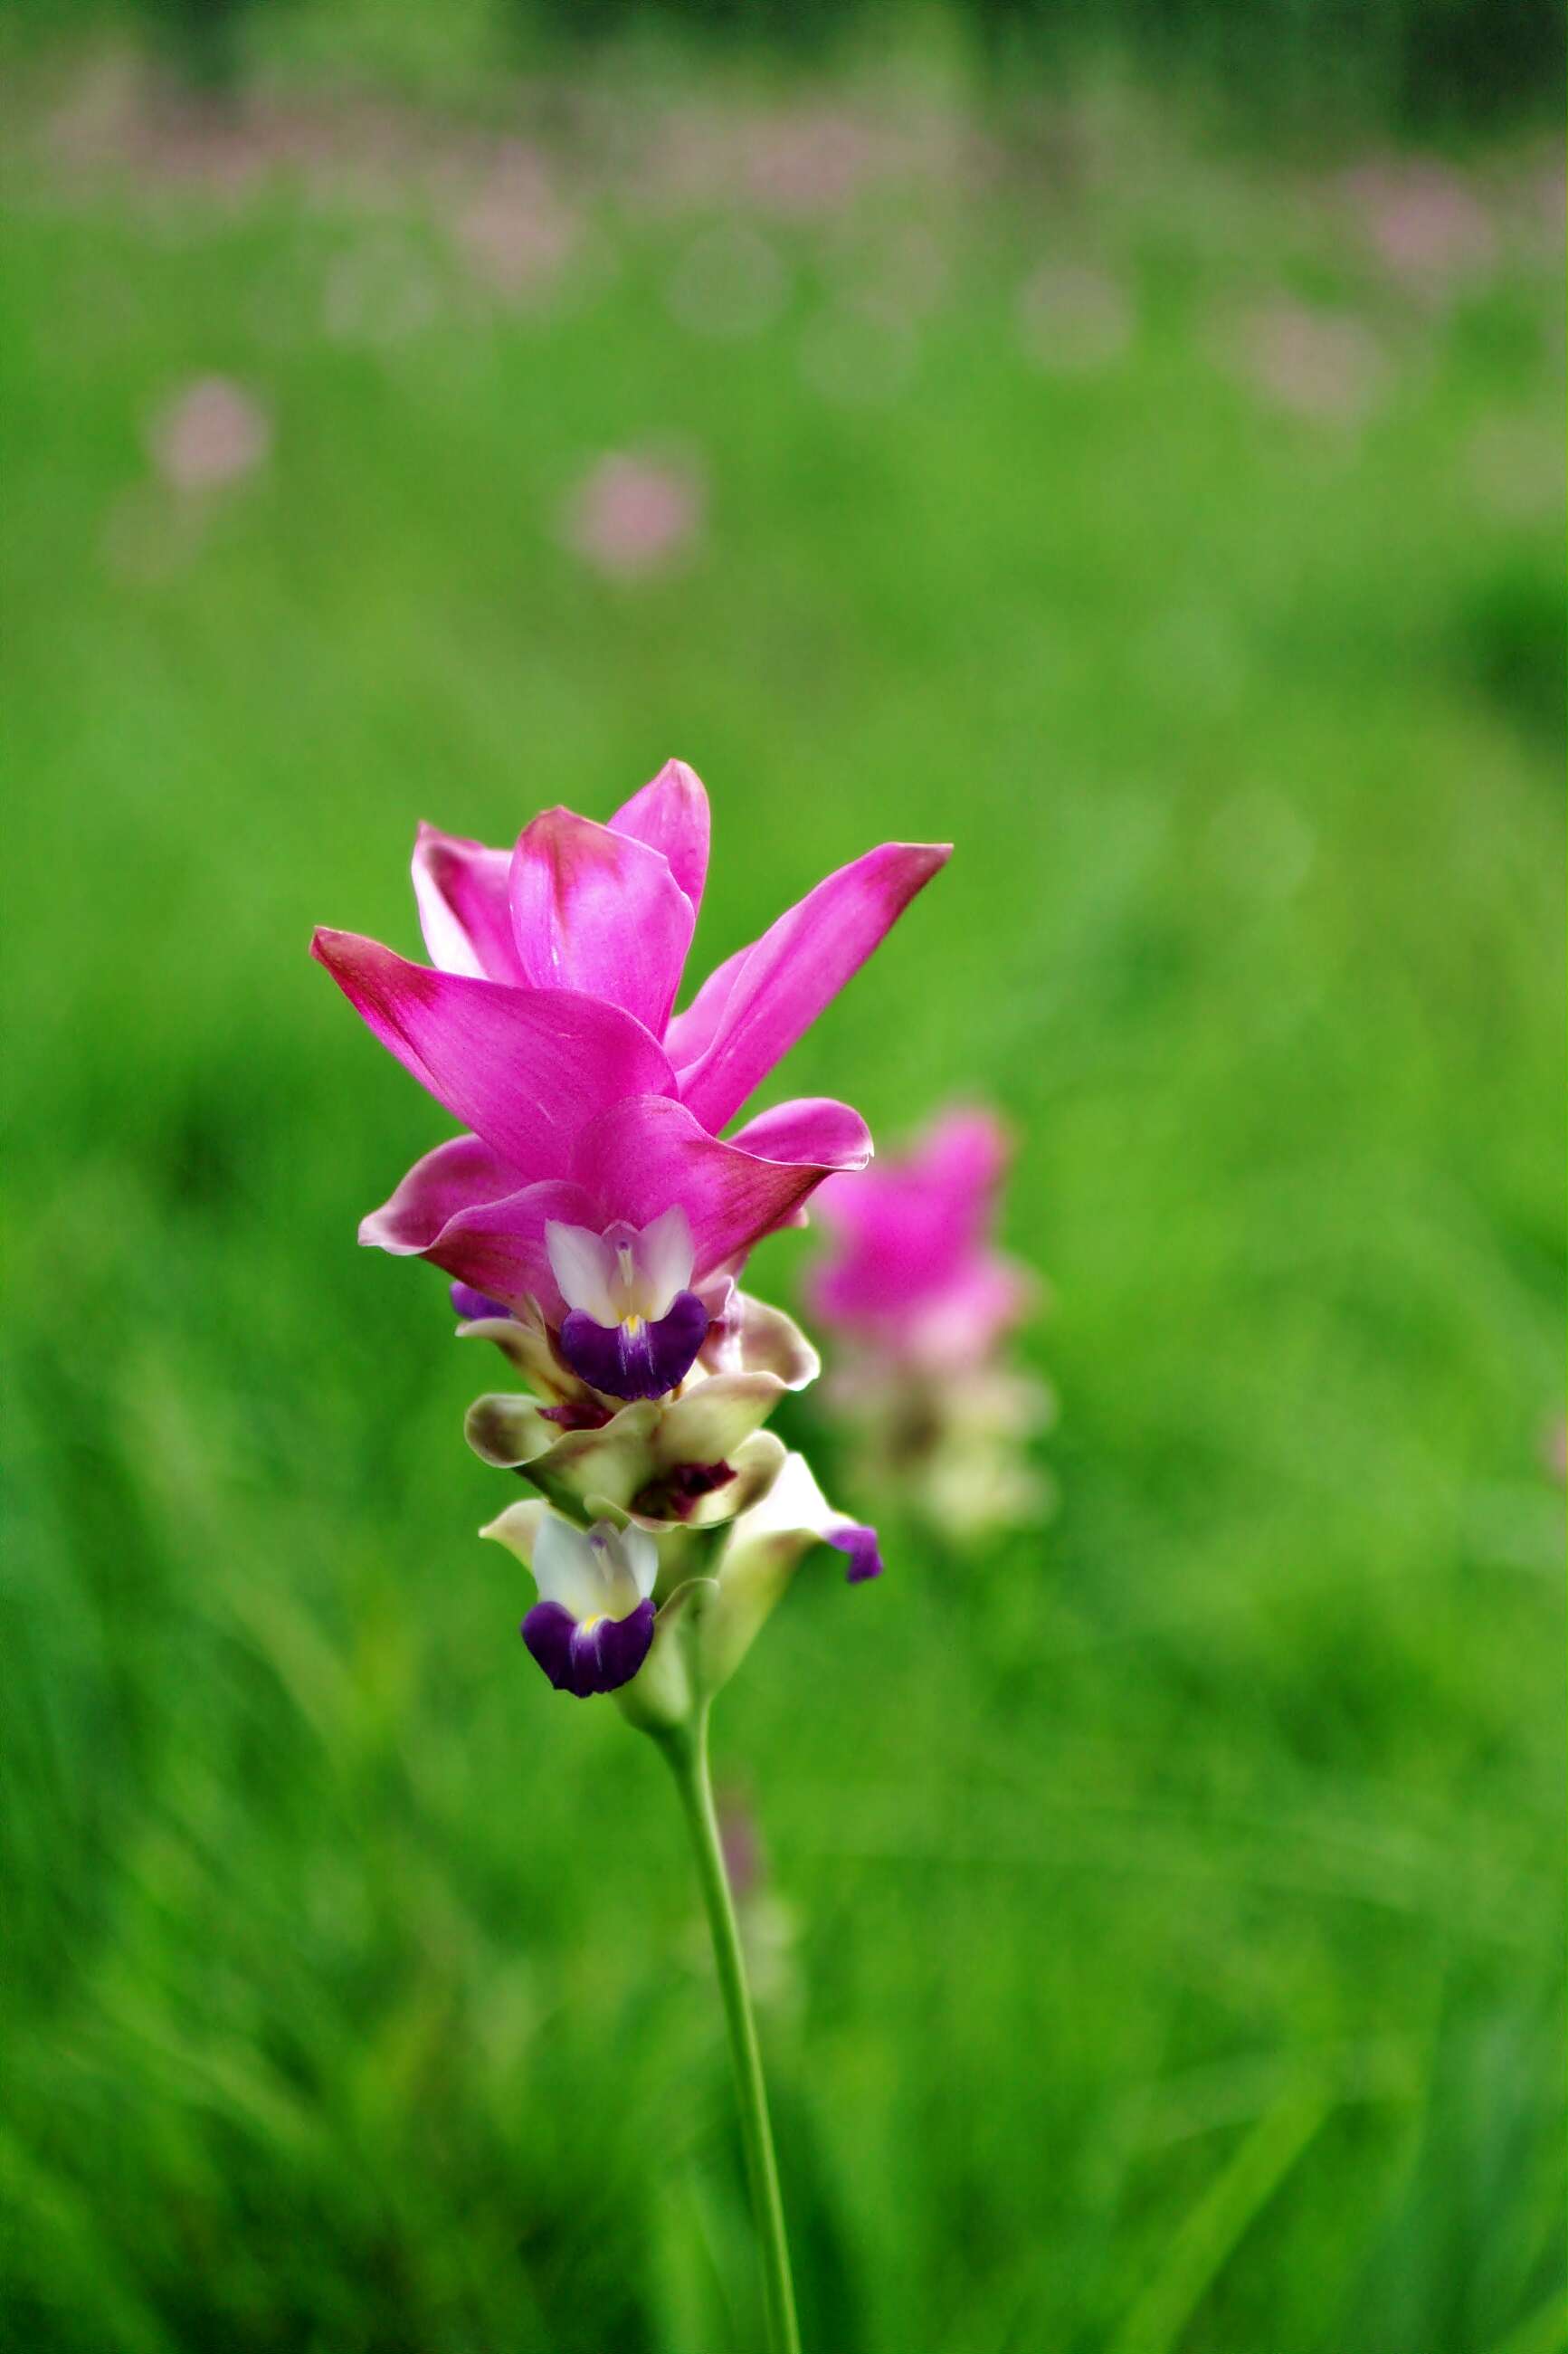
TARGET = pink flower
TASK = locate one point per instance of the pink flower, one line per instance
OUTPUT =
(212, 434)
(1319, 364)
(634, 516)
(546, 1026)
(915, 1279)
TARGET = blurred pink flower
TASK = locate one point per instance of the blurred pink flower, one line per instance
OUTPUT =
(514, 233)
(1423, 220)
(211, 433)
(1073, 318)
(914, 1275)
(1320, 364)
(631, 517)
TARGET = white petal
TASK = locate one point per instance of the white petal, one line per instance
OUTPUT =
(583, 1263)
(665, 1256)
(567, 1567)
(641, 1555)
(793, 1504)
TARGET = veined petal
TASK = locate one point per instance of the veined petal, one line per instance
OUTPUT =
(517, 1528)
(650, 1152)
(796, 967)
(600, 912)
(499, 1246)
(752, 1337)
(765, 1546)
(642, 1361)
(711, 1420)
(587, 1659)
(808, 1128)
(671, 815)
(526, 1346)
(583, 1265)
(614, 1462)
(664, 1257)
(460, 887)
(689, 1034)
(508, 1431)
(456, 1176)
(526, 1069)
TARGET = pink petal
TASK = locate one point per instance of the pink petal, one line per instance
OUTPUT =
(597, 911)
(808, 1128)
(691, 1033)
(641, 1156)
(671, 815)
(797, 966)
(464, 914)
(499, 1246)
(455, 1176)
(526, 1068)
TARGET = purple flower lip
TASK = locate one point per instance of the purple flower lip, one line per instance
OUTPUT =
(477, 1306)
(591, 1627)
(635, 1358)
(859, 1541)
(588, 1655)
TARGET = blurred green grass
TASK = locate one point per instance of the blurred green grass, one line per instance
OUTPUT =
(1180, 1893)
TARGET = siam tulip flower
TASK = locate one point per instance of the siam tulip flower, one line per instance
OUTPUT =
(924, 1302)
(594, 1223)
(545, 1024)
(914, 1275)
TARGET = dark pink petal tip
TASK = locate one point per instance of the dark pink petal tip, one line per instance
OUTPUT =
(584, 1660)
(644, 1365)
(859, 1543)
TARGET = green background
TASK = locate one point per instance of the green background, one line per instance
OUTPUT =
(1174, 1894)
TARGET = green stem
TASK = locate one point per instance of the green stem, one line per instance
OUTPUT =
(687, 1751)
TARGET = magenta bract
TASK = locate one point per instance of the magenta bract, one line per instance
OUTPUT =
(545, 1025)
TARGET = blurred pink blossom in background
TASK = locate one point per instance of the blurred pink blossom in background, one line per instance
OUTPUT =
(921, 1301)
(631, 517)
(211, 433)
(1319, 364)
(514, 232)
(1423, 220)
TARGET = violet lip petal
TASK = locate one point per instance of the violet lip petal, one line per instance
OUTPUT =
(584, 1661)
(619, 1646)
(548, 1631)
(641, 1365)
(859, 1541)
(474, 1306)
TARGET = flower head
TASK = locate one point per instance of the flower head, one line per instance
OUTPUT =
(917, 1289)
(545, 1024)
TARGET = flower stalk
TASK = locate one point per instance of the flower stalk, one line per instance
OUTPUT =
(685, 1746)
